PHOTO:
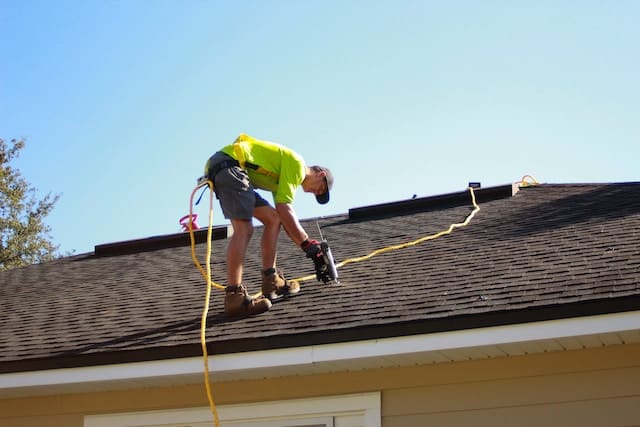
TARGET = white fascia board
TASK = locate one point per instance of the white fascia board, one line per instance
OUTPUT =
(328, 353)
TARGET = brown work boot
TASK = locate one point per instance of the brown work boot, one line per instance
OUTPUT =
(238, 302)
(274, 285)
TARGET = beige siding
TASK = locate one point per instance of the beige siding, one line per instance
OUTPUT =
(601, 413)
(609, 397)
(581, 387)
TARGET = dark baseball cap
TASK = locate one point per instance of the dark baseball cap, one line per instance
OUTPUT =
(324, 198)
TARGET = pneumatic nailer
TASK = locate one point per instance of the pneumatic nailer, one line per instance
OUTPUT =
(326, 271)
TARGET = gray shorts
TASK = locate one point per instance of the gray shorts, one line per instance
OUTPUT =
(238, 198)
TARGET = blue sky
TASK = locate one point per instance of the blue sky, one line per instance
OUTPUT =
(122, 102)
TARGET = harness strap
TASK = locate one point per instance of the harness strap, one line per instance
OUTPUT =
(238, 146)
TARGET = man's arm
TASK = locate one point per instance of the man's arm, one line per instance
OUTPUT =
(290, 223)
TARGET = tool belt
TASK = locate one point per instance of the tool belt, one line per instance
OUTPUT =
(213, 170)
(231, 162)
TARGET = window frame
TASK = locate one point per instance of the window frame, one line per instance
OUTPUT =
(351, 410)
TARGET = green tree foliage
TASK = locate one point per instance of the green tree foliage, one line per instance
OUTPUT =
(24, 237)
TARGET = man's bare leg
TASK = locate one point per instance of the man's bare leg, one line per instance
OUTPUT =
(269, 244)
(242, 231)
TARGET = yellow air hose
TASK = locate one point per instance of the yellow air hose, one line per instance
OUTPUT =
(206, 273)
(527, 181)
(408, 244)
(207, 300)
(476, 208)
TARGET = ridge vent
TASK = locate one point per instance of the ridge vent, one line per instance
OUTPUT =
(161, 242)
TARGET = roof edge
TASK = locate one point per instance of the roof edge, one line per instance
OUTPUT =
(274, 362)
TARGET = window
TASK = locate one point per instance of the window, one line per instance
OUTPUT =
(354, 410)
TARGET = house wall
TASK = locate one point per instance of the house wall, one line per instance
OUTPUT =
(571, 388)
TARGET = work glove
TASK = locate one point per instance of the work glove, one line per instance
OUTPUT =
(312, 248)
(314, 251)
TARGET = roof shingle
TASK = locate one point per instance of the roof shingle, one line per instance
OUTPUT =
(550, 251)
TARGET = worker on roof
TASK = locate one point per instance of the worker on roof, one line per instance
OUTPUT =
(236, 171)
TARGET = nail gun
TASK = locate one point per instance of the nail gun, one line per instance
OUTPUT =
(327, 272)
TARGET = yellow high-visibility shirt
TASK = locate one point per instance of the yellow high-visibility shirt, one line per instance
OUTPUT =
(280, 169)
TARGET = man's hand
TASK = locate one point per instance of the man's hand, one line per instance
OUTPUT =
(314, 251)
(312, 248)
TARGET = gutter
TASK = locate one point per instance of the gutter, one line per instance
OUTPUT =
(325, 358)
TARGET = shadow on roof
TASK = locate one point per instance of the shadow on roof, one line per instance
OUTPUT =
(152, 336)
(593, 206)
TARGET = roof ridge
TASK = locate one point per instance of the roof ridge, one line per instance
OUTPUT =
(441, 201)
(162, 241)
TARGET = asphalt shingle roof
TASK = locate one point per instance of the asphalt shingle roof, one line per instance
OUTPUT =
(550, 251)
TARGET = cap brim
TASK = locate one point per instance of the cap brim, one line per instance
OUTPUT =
(323, 198)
